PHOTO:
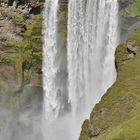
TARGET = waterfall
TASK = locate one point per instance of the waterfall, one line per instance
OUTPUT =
(50, 51)
(54, 74)
(92, 40)
(91, 43)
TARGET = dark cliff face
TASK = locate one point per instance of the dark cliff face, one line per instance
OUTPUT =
(34, 6)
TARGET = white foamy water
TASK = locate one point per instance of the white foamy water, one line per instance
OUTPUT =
(92, 40)
(50, 67)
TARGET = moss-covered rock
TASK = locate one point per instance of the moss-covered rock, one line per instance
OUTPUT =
(20, 41)
(130, 7)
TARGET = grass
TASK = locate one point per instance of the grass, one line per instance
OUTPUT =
(128, 130)
(135, 7)
(131, 8)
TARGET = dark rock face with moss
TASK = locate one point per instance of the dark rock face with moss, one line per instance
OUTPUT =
(21, 91)
(20, 54)
(116, 116)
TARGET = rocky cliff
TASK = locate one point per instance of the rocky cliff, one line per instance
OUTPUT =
(20, 69)
(116, 116)
(20, 52)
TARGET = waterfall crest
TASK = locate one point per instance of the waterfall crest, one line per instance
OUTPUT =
(91, 43)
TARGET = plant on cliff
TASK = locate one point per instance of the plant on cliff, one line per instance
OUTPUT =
(28, 56)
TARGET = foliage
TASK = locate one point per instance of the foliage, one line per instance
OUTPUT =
(130, 7)
(121, 54)
(30, 48)
(85, 131)
(134, 7)
(34, 36)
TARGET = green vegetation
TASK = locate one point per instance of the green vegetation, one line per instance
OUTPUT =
(18, 20)
(134, 7)
(21, 57)
(130, 7)
(85, 131)
(34, 38)
(121, 54)
(135, 36)
(28, 55)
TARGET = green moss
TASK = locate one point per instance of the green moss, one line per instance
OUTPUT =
(18, 20)
(30, 48)
(130, 7)
(134, 7)
(121, 54)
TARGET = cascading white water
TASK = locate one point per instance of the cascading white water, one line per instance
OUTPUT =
(54, 74)
(92, 40)
(50, 68)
